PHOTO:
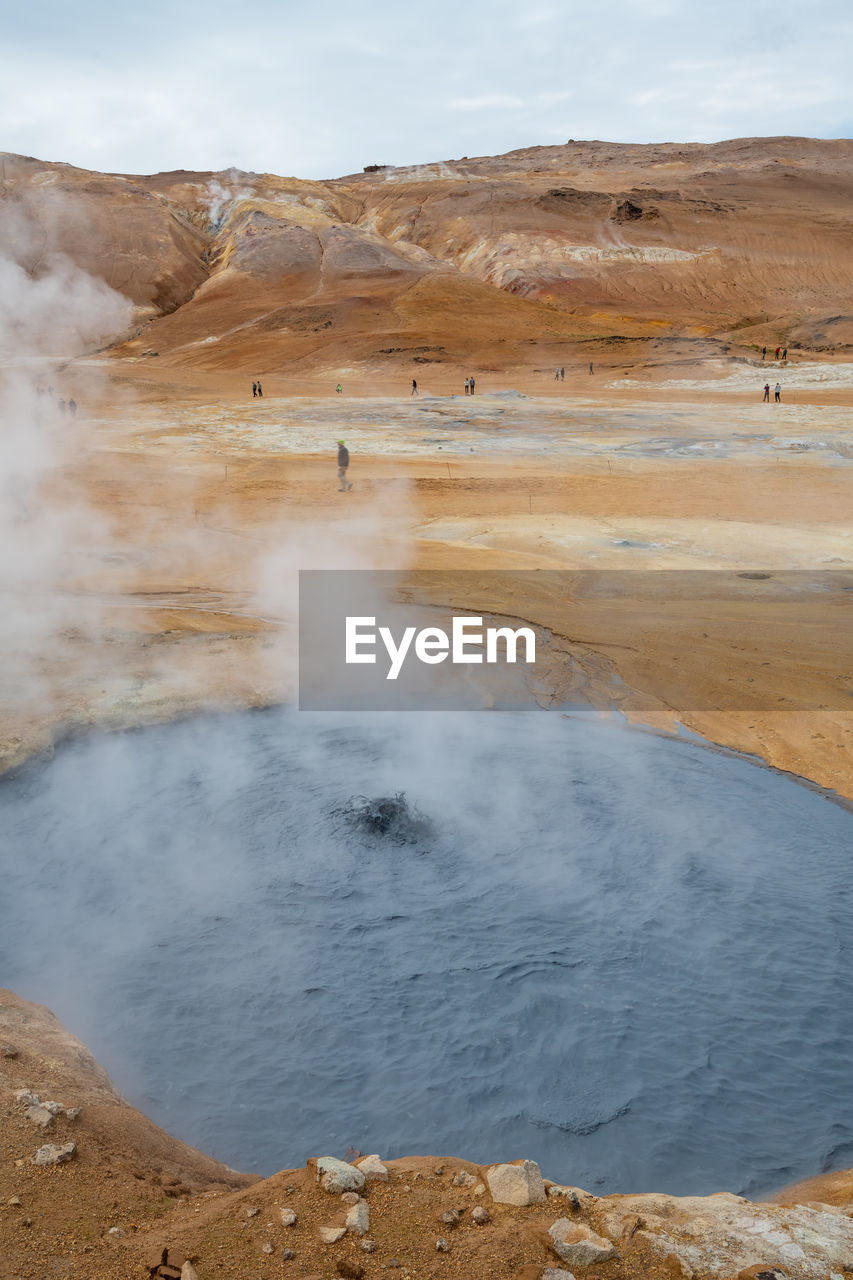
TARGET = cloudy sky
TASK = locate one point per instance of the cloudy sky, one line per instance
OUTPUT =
(320, 89)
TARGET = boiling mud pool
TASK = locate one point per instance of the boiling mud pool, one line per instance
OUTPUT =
(624, 957)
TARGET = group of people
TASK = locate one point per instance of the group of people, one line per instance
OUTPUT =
(560, 374)
(257, 389)
(777, 392)
(776, 355)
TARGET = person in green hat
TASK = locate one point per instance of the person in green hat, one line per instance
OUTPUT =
(343, 463)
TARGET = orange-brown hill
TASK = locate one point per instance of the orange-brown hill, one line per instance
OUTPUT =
(490, 263)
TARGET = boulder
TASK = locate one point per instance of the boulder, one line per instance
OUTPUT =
(373, 1169)
(39, 1116)
(358, 1218)
(516, 1183)
(50, 1153)
(576, 1244)
(336, 1176)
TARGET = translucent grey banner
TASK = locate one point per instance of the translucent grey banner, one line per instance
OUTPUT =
(672, 640)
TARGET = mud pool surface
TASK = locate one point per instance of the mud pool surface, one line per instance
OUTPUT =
(625, 957)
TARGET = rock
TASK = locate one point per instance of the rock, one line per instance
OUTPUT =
(480, 1189)
(394, 1263)
(350, 1197)
(73, 1112)
(39, 1116)
(336, 1176)
(50, 1153)
(463, 1179)
(55, 1108)
(358, 1218)
(288, 1218)
(373, 1169)
(253, 1212)
(516, 1183)
(368, 1246)
(349, 1270)
(28, 1098)
(267, 1248)
(555, 1273)
(118, 1232)
(8, 1050)
(287, 1255)
(576, 1244)
(188, 1272)
(15, 1202)
(441, 1245)
(450, 1218)
(481, 1216)
(331, 1235)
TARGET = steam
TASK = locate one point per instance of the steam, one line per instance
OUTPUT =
(220, 197)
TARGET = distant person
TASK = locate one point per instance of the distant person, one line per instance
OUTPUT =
(72, 408)
(466, 386)
(767, 391)
(339, 390)
(562, 373)
(415, 391)
(777, 392)
(471, 380)
(785, 354)
(254, 390)
(590, 368)
(343, 463)
(763, 352)
(556, 375)
(260, 388)
(776, 356)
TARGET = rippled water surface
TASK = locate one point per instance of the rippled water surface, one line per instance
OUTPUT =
(625, 957)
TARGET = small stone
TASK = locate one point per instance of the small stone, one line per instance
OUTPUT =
(288, 1218)
(39, 1116)
(15, 1202)
(555, 1273)
(267, 1248)
(350, 1197)
(336, 1176)
(55, 1108)
(287, 1255)
(50, 1153)
(73, 1112)
(116, 1231)
(349, 1270)
(368, 1246)
(331, 1235)
(517, 1184)
(358, 1218)
(441, 1245)
(188, 1272)
(394, 1263)
(450, 1218)
(576, 1244)
(8, 1050)
(463, 1179)
(373, 1169)
(28, 1098)
(439, 1170)
(253, 1212)
(481, 1216)
(480, 1189)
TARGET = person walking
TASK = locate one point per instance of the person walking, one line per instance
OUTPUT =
(785, 354)
(254, 390)
(556, 375)
(562, 373)
(763, 352)
(72, 408)
(767, 391)
(590, 367)
(415, 391)
(777, 392)
(776, 356)
(339, 391)
(260, 388)
(343, 463)
(471, 382)
(466, 386)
